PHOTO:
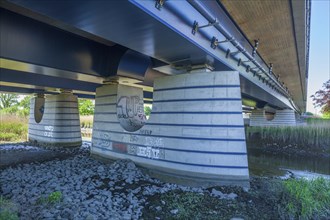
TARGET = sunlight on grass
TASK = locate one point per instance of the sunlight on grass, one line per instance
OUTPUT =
(13, 128)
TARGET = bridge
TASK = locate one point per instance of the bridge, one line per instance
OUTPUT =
(200, 63)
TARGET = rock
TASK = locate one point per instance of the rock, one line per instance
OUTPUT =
(67, 214)
(174, 211)
(231, 196)
(158, 208)
(100, 169)
(48, 215)
(217, 193)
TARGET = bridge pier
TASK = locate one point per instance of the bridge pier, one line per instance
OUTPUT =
(195, 134)
(54, 120)
(284, 117)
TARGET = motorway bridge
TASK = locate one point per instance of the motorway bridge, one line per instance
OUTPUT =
(200, 63)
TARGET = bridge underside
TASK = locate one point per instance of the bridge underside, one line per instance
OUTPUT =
(197, 79)
(92, 45)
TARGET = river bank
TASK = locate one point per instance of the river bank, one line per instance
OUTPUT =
(290, 149)
(76, 186)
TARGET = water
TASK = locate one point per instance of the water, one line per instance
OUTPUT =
(269, 164)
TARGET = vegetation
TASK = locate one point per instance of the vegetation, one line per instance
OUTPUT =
(8, 210)
(322, 99)
(86, 124)
(147, 110)
(86, 107)
(267, 199)
(13, 128)
(308, 199)
(9, 104)
(316, 134)
(52, 198)
(86, 121)
(7, 100)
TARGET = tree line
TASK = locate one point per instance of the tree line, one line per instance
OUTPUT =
(11, 103)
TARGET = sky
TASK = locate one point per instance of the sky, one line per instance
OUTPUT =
(319, 67)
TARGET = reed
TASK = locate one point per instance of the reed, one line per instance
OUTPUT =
(13, 128)
(86, 121)
(315, 134)
(86, 125)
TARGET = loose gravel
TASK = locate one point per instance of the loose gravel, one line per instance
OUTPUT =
(89, 188)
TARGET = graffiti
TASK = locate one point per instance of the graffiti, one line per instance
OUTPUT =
(134, 138)
(148, 152)
(131, 149)
(147, 132)
(129, 107)
(48, 131)
(48, 134)
(105, 141)
(119, 147)
(154, 142)
(130, 112)
(49, 128)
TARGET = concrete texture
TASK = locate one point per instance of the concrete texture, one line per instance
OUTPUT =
(281, 28)
(282, 117)
(195, 130)
(54, 121)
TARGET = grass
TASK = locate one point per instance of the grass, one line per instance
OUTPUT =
(8, 210)
(86, 124)
(315, 134)
(13, 128)
(86, 121)
(52, 198)
(307, 199)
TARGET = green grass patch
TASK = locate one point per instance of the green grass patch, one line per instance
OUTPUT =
(8, 210)
(52, 198)
(308, 199)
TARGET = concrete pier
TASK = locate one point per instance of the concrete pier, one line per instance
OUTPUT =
(195, 134)
(54, 120)
(285, 117)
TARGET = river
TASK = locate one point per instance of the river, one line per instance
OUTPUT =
(267, 164)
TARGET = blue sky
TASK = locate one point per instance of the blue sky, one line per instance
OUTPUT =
(319, 67)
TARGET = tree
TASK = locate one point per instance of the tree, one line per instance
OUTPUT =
(309, 114)
(24, 106)
(7, 100)
(25, 102)
(147, 110)
(86, 107)
(322, 98)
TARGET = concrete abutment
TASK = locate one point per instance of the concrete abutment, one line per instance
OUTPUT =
(195, 134)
